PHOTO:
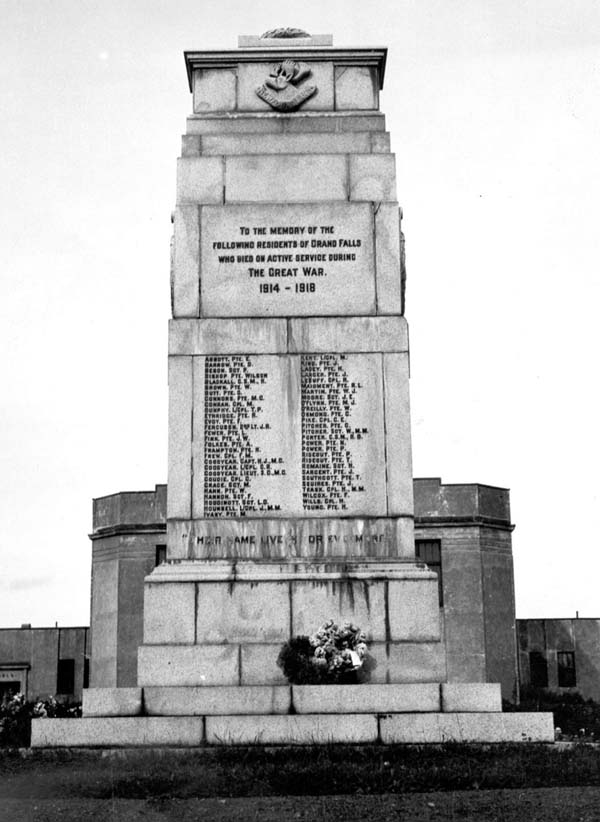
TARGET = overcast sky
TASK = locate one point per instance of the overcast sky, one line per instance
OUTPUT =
(494, 111)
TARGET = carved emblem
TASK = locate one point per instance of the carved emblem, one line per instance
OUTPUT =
(280, 90)
(284, 33)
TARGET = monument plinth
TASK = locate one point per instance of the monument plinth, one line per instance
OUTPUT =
(290, 476)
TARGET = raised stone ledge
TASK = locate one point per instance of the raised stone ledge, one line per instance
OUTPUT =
(207, 700)
(351, 142)
(267, 123)
(221, 570)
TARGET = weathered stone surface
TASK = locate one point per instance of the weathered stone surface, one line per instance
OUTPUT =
(111, 702)
(199, 180)
(468, 697)
(191, 145)
(356, 87)
(397, 434)
(214, 90)
(117, 732)
(315, 569)
(285, 260)
(291, 178)
(253, 75)
(387, 256)
(414, 612)
(311, 122)
(180, 437)
(467, 727)
(242, 612)
(356, 142)
(223, 337)
(188, 665)
(373, 177)
(411, 662)
(290, 730)
(365, 698)
(359, 601)
(284, 538)
(349, 334)
(380, 142)
(169, 614)
(186, 262)
(217, 700)
(258, 664)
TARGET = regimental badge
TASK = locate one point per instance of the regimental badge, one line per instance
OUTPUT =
(280, 90)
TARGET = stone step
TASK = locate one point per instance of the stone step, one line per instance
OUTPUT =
(306, 729)
(294, 699)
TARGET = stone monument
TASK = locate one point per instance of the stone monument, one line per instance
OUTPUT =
(290, 475)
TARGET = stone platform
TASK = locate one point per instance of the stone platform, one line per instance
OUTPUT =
(292, 715)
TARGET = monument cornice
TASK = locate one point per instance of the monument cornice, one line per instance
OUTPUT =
(230, 58)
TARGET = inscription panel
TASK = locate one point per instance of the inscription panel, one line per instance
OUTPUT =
(288, 260)
(297, 435)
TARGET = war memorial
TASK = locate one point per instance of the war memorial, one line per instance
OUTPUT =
(290, 486)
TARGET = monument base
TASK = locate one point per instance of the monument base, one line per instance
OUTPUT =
(223, 622)
(292, 715)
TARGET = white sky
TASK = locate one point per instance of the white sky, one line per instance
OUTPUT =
(494, 111)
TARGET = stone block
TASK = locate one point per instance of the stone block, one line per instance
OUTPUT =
(414, 611)
(117, 732)
(387, 259)
(316, 539)
(214, 90)
(180, 438)
(342, 122)
(469, 697)
(188, 665)
(344, 143)
(259, 665)
(186, 262)
(413, 662)
(365, 698)
(373, 177)
(220, 700)
(111, 702)
(285, 260)
(253, 75)
(356, 87)
(199, 180)
(223, 337)
(397, 435)
(291, 730)
(349, 334)
(287, 178)
(191, 145)
(466, 727)
(404, 535)
(169, 613)
(243, 612)
(234, 124)
(256, 41)
(380, 142)
(346, 600)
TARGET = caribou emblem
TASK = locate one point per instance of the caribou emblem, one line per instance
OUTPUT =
(280, 89)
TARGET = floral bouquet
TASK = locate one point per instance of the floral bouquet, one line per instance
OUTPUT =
(331, 655)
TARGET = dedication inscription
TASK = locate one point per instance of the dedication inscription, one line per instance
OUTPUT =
(288, 260)
(293, 436)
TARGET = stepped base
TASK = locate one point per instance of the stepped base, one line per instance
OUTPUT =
(292, 715)
(306, 729)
